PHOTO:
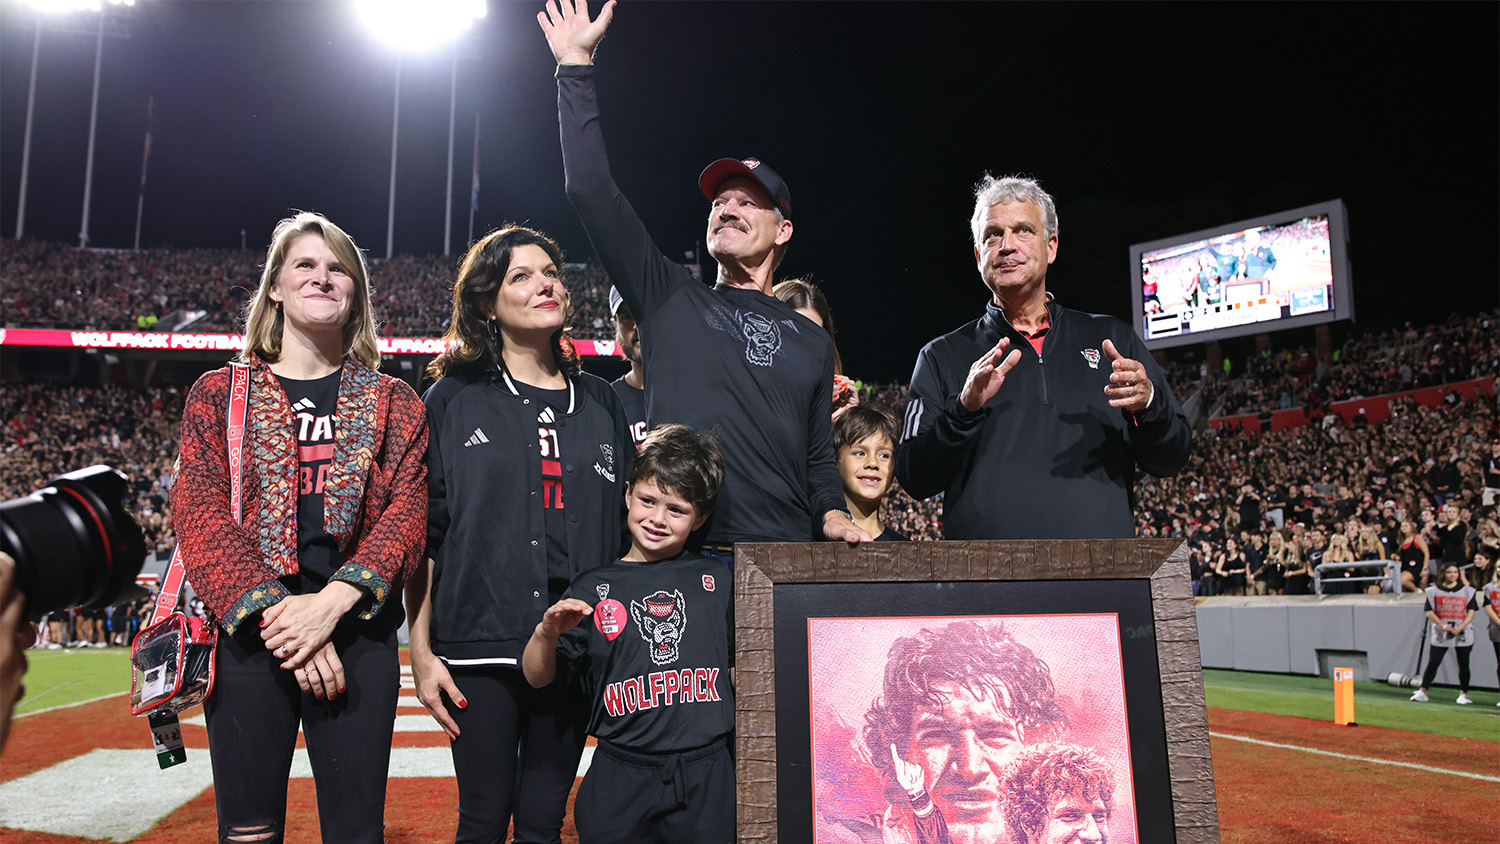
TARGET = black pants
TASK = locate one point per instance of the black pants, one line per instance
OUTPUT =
(1435, 658)
(253, 715)
(675, 797)
(517, 753)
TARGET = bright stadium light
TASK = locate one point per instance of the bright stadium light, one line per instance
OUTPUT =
(75, 5)
(51, 7)
(410, 26)
(60, 7)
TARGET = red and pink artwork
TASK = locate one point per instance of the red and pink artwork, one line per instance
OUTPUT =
(970, 729)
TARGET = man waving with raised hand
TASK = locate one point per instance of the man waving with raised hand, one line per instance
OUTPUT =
(731, 358)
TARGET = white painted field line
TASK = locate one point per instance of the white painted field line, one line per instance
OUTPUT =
(70, 705)
(1428, 768)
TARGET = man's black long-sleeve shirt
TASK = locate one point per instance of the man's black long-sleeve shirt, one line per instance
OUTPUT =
(738, 362)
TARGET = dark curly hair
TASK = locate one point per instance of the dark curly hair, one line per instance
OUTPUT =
(1044, 774)
(982, 658)
(471, 348)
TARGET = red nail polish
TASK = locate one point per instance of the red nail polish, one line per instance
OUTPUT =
(463, 704)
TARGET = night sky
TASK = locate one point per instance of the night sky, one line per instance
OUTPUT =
(1143, 120)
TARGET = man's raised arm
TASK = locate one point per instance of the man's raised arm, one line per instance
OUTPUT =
(643, 275)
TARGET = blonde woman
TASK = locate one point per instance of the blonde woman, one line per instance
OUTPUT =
(1276, 563)
(1340, 552)
(1370, 548)
(1298, 569)
(334, 518)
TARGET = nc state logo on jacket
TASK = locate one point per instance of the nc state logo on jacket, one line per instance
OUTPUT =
(1092, 356)
(609, 614)
(708, 583)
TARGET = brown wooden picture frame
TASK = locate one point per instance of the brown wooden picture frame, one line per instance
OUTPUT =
(760, 567)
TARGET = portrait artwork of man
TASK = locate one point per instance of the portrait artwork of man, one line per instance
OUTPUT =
(918, 722)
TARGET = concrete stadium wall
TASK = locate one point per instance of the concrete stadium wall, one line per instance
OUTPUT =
(1284, 635)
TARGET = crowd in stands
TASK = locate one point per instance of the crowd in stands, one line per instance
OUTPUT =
(1305, 492)
(1365, 365)
(1310, 492)
(49, 429)
(50, 285)
(1261, 511)
(1270, 382)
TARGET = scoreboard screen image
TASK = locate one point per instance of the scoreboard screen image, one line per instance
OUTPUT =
(1281, 271)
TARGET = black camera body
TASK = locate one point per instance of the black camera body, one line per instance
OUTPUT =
(74, 543)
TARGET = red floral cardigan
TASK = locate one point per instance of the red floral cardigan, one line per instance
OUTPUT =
(375, 499)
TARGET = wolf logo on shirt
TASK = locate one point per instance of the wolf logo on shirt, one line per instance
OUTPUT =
(607, 471)
(762, 337)
(661, 618)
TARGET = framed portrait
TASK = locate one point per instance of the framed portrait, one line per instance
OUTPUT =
(930, 692)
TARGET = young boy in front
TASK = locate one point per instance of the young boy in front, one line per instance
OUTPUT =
(864, 440)
(655, 659)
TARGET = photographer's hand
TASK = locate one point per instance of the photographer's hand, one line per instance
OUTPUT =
(16, 635)
(297, 627)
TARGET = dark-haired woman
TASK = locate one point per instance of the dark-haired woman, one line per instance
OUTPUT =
(1232, 567)
(1414, 558)
(526, 472)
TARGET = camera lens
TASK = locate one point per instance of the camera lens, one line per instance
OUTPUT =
(73, 542)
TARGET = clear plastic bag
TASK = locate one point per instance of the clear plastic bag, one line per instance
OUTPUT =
(172, 665)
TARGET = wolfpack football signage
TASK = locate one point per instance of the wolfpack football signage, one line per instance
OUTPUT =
(169, 341)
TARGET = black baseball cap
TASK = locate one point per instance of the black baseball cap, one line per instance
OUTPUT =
(724, 169)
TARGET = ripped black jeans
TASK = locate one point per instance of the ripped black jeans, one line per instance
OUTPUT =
(253, 715)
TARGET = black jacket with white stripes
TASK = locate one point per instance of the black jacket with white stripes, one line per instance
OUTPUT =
(486, 529)
(1047, 457)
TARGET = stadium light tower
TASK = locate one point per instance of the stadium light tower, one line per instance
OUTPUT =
(62, 6)
(410, 27)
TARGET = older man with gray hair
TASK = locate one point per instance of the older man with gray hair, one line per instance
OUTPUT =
(1033, 419)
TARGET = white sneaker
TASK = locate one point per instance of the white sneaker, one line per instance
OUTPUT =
(1464, 699)
(1419, 696)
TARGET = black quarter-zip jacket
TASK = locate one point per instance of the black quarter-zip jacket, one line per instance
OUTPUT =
(1046, 457)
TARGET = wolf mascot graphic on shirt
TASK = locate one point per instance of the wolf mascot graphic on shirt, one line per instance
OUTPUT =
(661, 618)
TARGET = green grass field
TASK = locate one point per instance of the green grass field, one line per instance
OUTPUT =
(1375, 704)
(58, 678)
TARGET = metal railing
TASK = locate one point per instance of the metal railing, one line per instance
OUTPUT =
(1390, 581)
